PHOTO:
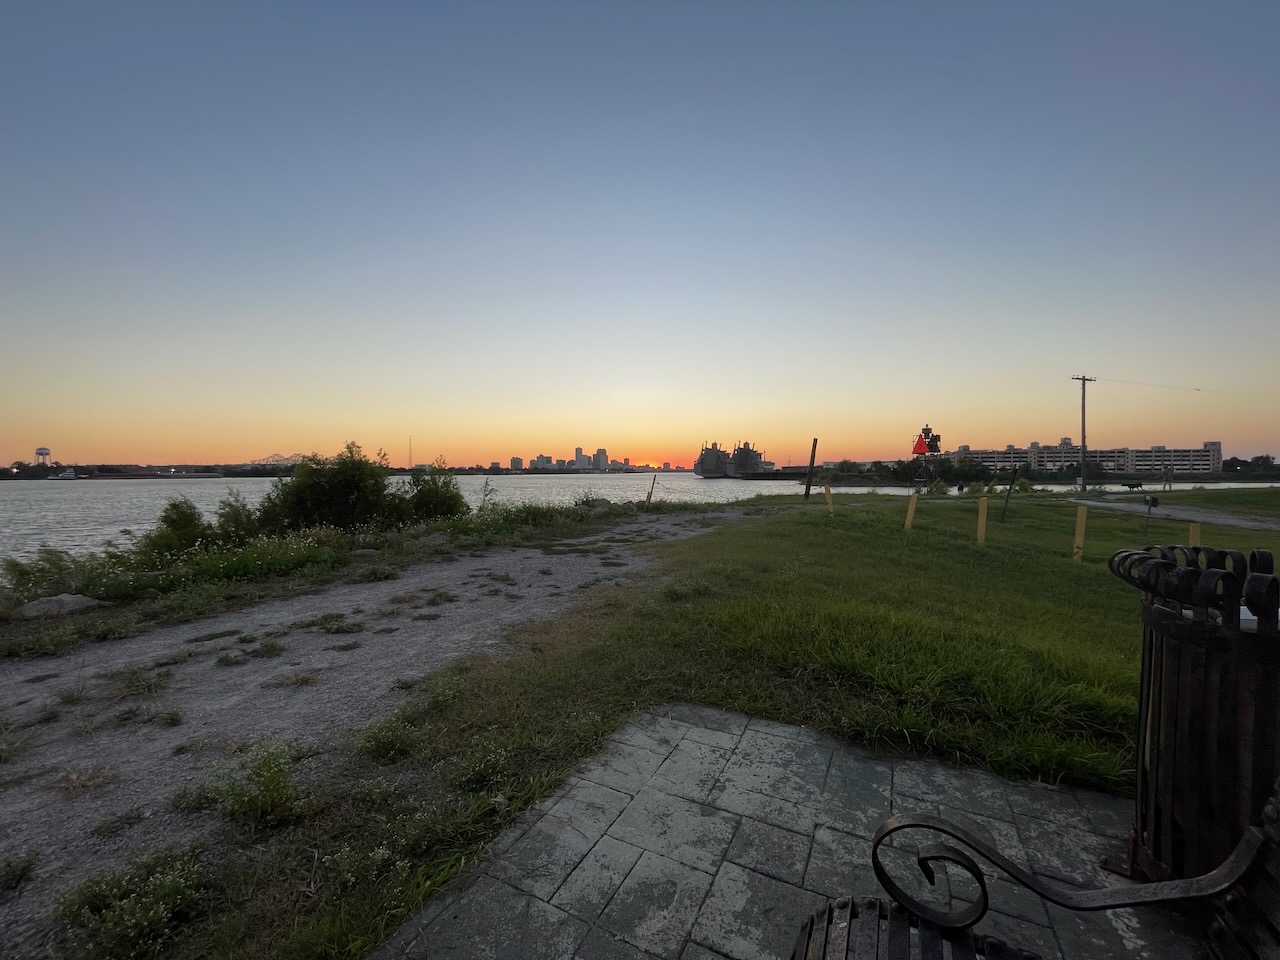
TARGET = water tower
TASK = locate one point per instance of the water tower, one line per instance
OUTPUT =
(42, 456)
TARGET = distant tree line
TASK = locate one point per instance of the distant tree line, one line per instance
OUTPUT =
(946, 470)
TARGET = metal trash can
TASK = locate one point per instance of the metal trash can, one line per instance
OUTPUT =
(1209, 705)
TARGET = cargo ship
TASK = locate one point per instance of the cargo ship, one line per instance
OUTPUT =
(717, 463)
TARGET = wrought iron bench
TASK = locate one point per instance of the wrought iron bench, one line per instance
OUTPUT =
(1238, 903)
(1186, 821)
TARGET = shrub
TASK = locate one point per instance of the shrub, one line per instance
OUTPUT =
(181, 527)
(434, 494)
(56, 571)
(346, 491)
(16, 871)
(378, 572)
(265, 794)
(237, 522)
(135, 912)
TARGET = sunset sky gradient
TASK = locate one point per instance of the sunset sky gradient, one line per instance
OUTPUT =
(235, 229)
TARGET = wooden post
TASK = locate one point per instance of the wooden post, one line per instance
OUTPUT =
(808, 479)
(649, 499)
(911, 511)
(831, 507)
(1077, 551)
(1193, 535)
(1009, 493)
(982, 519)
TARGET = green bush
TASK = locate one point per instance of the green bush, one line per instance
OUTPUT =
(181, 527)
(237, 522)
(268, 557)
(347, 491)
(434, 495)
(263, 793)
(56, 571)
(134, 912)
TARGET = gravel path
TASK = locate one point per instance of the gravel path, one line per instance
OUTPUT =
(1191, 514)
(99, 740)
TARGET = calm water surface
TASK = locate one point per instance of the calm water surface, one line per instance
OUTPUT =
(86, 514)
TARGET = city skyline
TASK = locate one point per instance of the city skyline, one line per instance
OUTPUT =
(240, 228)
(582, 460)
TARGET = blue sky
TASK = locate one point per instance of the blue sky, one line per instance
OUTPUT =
(236, 229)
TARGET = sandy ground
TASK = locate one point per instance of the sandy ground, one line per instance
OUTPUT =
(89, 782)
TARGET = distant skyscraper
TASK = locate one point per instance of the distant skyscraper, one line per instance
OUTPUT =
(601, 460)
(517, 463)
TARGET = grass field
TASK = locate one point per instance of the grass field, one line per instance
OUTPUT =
(1006, 655)
(1255, 501)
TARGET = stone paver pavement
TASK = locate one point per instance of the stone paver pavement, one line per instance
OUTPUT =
(699, 834)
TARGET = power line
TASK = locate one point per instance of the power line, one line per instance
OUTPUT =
(1172, 386)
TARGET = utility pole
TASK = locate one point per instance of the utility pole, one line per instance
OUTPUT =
(1084, 450)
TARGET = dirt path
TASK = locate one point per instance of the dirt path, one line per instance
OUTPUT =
(99, 740)
(1169, 511)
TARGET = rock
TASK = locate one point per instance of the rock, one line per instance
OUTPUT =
(597, 502)
(63, 603)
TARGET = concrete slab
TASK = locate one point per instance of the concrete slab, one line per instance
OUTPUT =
(702, 835)
(657, 905)
(623, 767)
(597, 878)
(691, 770)
(749, 916)
(973, 790)
(603, 945)
(493, 921)
(690, 833)
(772, 851)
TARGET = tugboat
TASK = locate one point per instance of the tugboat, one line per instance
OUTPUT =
(68, 474)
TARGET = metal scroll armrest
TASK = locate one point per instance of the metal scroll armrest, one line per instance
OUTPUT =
(1107, 898)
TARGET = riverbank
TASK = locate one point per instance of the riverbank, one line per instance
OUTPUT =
(1007, 656)
(101, 745)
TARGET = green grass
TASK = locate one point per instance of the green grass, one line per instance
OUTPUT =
(1007, 656)
(1250, 501)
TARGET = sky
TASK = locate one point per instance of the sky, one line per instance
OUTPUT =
(502, 229)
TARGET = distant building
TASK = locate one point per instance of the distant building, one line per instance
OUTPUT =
(666, 464)
(1204, 459)
(601, 460)
(517, 463)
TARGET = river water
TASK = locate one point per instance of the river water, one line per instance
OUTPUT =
(86, 514)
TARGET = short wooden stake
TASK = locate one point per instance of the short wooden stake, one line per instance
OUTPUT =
(1193, 535)
(1077, 552)
(649, 499)
(911, 511)
(982, 519)
(831, 507)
